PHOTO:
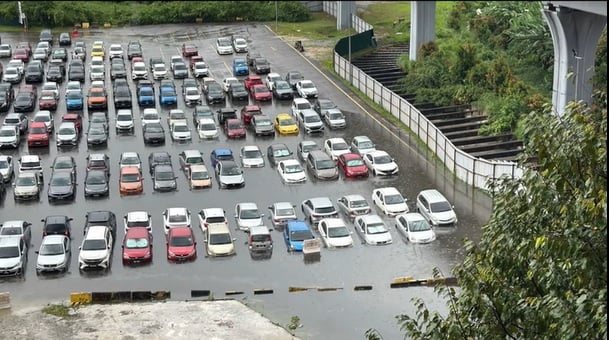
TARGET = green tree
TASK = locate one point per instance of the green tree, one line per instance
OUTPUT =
(539, 270)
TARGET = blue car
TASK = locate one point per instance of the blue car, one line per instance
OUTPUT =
(240, 67)
(221, 155)
(74, 100)
(168, 96)
(145, 96)
(295, 233)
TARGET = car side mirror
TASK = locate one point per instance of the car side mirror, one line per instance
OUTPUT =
(79, 248)
(234, 239)
(261, 215)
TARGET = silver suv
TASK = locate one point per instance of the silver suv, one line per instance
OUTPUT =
(317, 208)
(260, 242)
(13, 255)
(321, 166)
(435, 208)
(310, 121)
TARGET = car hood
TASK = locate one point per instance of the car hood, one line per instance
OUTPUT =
(136, 253)
(253, 161)
(208, 133)
(422, 236)
(59, 190)
(9, 262)
(386, 167)
(376, 238)
(181, 251)
(23, 190)
(295, 177)
(93, 254)
(232, 179)
(401, 207)
(343, 241)
(221, 249)
(96, 187)
(51, 259)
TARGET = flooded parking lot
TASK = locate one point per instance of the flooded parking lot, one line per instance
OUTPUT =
(343, 313)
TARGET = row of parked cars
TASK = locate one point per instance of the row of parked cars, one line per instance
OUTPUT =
(322, 219)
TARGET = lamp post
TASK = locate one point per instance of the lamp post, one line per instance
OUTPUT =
(276, 17)
(577, 78)
(350, 65)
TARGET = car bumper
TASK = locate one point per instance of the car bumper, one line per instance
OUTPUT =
(26, 196)
(41, 142)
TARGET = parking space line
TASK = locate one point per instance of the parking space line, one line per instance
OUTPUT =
(226, 66)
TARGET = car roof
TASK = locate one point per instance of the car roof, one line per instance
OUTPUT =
(197, 168)
(247, 205)
(377, 153)
(321, 201)
(192, 152)
(259, 230)
(223, 152)
(413, 216)
(217, 228)
(300, 100)
(297, 225)
(280, 146)
(137, 232)
(213, 212)
(130, 170)
(12, 223)
(387, 190)
(284, 116)
(56, 219)
(129, 154)
(333, 222)
(433, 195)
(138, 216)
(368, 218)
(177, 211)
(354, 197)
(283, 205)
(53, 239)
(96, 232)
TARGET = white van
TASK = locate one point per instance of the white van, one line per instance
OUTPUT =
(436, 208)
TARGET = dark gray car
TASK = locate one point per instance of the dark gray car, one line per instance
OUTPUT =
(154, 133)
(164, 179)
(262, 125)
(282, 90)
(96, 183)
(278, 152)
(97, 134)
(61, 186)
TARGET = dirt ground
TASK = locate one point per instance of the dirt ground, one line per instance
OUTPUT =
(218, 320)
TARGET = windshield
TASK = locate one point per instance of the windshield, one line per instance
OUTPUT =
(160, 68)
(136, 243)
(177, 219)
(359, 204)
(281, 153)
(293, 168)
(282, 86)
(231, 170)
(154, 128)
(207, 127)
(130, 178)
(325, 210)
(130, 160)
(7, 132)
(394, 199)
(355, 162)
(285, 212)
(249, 214)
(51, 249)
(164, 176)
(3, 164)
(326, 164)
(60, 181)
(123, 118)
(25, 181)
(365, 145)
(440, 207)
(192, 92)
(286, 122)
(180, 128)
(181, 241)
(312, 119)
(41, 118)
(252, 154)
(9, 252)
(340, 146)
(199, 175)
(376, 228)
(94, 245)
(301, 235)
(420, 225)
(263, 122)
(27, 165)
(95, 178)
(10, 231)
(73, 95)
(385, 159)
(38, 130)
(338, 232)
(336, 116)
(220, 239)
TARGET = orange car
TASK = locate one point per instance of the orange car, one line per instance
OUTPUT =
(130, 181)
(97, 98)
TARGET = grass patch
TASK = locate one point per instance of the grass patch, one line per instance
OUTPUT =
(59, 310)
(322, 26)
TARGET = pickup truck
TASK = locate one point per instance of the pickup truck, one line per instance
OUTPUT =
(145, 94)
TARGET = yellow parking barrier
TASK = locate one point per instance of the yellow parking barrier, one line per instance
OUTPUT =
(297, 289)
(107, 25)
(85, 25)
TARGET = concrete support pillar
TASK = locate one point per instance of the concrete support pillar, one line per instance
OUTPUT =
(422, 25)
(343, 14)
(575, 35)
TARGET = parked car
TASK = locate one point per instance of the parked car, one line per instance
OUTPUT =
(321, 166)
(380, 163)
(251, 157)
(293, 77)
(176, 217)
(234, 129)
(372, 229)
(54, 254)
(62, 187)
(306, 89)
(247, 215)
(219, 240)
(435, 208)
(209, 216)
(262, 126)
(335, 119)
(163, 178)
(130, 181)
(229, 175)
(181, 244)
(198, 177)
(282, 90)
(353, 205)
(291, 171)
(180, 132)
(97, 184)
(67, 134)
(277, 152)
(57, 225)
(207, 128)
(188, 158)
(414, 228)
(18, 228)
(309, 121)
(26, 187)
(38, 135)
(137, 246)
(224, 46)
(137, 219)
(286, 125)
(281, 213)
(220, 154)
(295, 233)
(352, 165)
(240, 67)
(10, 136)
(334, 233)
(317, 208)
(261, 66)
(248, 112)
(96, 249)
(362, 145)
(389, 200)
(153, 133)
(260, 242)
(14, 256)
(130, 158)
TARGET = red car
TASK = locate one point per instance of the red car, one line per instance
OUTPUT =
(261, 92)
(352, 165)
(21, 54)
(38, 135)
(137, 246)
(188, 50)
(181, 245)
(73, 117)
(47, 101)
(25, 45)
(248, 111)
(252, 80)
(234, 128)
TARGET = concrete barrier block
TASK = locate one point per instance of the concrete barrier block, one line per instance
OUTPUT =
(200, 293)
(100, 297)
(80, 298)
(141, 296)
(5, 300)
(263, 291)
(161, 295)
(121, 296)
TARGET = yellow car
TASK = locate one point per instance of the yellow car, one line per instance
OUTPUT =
(285, 124)
(98, 51)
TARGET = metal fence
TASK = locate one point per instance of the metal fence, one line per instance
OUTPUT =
(473, 171)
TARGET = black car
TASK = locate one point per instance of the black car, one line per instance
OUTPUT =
(123, 98)
(97, 134)
(163, 178)
(64, 164)
(96, 183)
(214, 93)
(61, 187)
(5, 101)
(76, 73)
(201, 111)
(261, 66)
(237, 92)
(101, 218)
(278, 152)
(153, 133)
(134, 49)
(282, 90)
(25, 102)
(57, 225)
(34, 74)
(156, 158)
(293, 77)
(118, 70)
(251, 56)
(55, 73)
(65, 39)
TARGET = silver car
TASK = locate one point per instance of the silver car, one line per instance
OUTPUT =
(54, 254)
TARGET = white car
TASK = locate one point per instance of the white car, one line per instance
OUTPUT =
(124, 121)
(335, 119)
(227, 81)
(414, 228)
(390, 201)
(335, 147)
(281, 213)
(40, 54)
(436, 208)
(200, 69)
(12, 75)
(192, 96)
(67, 134)
(16, 63)
(96, 248)
(175, 59)
(26, 186)
(130, 158)
(224, 46)
(334, 233)
(159, 71)
(176, 217)
(353, 205)
(240, 45)
(6, 51)
(98, 84)
(97, 61)
(209, 216)
(46, 117)
(9, 136)
(229, 174)
(372, 230)
(251, 157)
(291, 171)
(116, 51)
(73, 85)
(247, 215)
(362, 145)
(139, 71)
(97, 72)
(271, 78)
(7, 169)
(180, 131)
(219, 241)
(380, 163)
(299, 104)
(306, 89)
(54, 254)
(207, 128)
(150, 115)
(137, 219)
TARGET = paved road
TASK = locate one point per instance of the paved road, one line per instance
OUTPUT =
(344, 313)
